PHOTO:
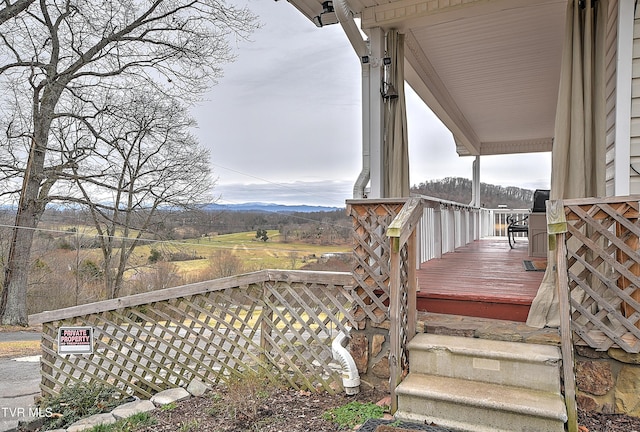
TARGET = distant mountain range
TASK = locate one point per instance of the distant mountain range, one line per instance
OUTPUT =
(451, 188)
(270, 208)
(455, 189)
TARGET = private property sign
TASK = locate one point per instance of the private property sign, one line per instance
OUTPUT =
(75, 340)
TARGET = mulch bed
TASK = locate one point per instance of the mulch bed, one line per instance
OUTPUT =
(298, 411)
(287, 410)
(284, 410)
(590, 421)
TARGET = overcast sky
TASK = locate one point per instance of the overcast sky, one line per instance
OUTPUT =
(284, 123)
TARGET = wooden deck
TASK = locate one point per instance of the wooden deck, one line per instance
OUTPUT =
(483, 279)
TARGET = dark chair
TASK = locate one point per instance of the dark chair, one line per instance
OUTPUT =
(516, 226)
(540, 196)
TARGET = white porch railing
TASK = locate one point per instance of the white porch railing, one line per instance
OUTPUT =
(495, 221)
(447, 225)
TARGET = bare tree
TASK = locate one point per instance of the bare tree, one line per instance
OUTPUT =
(143, 161)
(160, 276)
(11, 10)
(223, 263)
(293, 259)
(63, 63)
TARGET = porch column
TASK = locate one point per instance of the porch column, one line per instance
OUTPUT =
(475, 183)
(375, 112)
(475, 225)
(624, 66)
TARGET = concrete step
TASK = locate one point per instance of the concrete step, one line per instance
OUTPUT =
(478, 407)
(507, 363)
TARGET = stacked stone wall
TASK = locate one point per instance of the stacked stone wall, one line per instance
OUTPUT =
(369, 347)
(608, 382)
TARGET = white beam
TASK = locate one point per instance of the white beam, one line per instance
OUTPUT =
(400, 14)
(376, 111)
(512, 147)
(622, 150)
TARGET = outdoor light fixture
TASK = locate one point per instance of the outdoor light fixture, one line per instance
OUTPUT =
(327, 16)
(389, 92)
(376, 61)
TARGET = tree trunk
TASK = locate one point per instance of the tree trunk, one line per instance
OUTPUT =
(13, 307)
(13, 304)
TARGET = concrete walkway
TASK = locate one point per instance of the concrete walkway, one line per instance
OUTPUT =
(19, 383)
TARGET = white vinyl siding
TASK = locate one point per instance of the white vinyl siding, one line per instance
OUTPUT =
(634, 180)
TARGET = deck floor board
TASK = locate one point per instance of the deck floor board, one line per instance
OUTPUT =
(484, 272)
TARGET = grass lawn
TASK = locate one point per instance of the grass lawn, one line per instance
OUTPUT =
(254, 253)
(14, 349)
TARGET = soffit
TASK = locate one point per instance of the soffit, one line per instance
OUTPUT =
(488, 68)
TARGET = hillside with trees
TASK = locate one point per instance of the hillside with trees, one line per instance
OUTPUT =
(459, 190)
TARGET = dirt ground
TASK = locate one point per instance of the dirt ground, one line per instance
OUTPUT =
(295, 411)
(284, 410)
(596, 422)
(287, 410)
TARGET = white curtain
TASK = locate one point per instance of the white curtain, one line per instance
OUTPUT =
(396, 141)
(578, 156)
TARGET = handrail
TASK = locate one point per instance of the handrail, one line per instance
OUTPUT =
(405, 223)
(402, 308)
(445, 202)
(444, 226)
(339, 278)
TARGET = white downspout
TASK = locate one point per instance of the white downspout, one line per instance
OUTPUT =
(365, 175)
(350, 376)
(345, 18)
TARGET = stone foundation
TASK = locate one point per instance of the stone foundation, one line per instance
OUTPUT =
(608, 382)
(369, 347)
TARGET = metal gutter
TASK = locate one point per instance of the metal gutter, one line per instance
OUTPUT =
(361, 47)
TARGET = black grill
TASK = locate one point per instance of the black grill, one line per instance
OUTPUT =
(539, 198)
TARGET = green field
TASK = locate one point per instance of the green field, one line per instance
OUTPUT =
(193, 256)
(254, 253)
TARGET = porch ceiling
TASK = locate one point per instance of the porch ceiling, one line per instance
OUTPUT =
(488, 68)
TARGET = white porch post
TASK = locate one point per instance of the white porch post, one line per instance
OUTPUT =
(475, 224)
(622, 151)
(375, 113)
(475, 183)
